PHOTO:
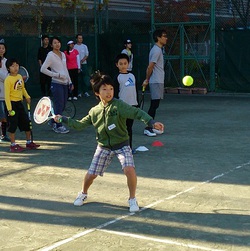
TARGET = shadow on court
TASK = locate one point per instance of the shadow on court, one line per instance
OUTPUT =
(193, 191)
(106, 212)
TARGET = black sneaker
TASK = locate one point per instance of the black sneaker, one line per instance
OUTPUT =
(149, 132)
(5, 139)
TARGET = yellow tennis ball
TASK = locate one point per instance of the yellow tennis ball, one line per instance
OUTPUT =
(187, 80)
(12, 113)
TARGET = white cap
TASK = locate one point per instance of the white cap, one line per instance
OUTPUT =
(70, 42)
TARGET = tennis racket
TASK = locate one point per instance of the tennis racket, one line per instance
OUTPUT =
(70, 109)
(24, 73)
(31, 133)
(44, 111)
(141, 103)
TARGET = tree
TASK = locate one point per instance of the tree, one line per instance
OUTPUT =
(179, 10)
(38, 9)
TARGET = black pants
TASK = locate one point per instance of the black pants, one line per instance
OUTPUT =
(153, 107)
(73, 73)
(45, 82)
(129, 123)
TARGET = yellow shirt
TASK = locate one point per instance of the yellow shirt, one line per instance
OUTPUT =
(14, 90)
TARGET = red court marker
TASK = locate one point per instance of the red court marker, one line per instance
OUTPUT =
(157, 143)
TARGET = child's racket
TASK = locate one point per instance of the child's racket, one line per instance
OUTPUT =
(31, 133)
(44, 111)
(141, 103)
(24, 73)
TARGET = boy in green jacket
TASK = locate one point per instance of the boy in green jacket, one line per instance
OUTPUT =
(109, 119)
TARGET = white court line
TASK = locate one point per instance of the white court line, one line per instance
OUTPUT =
(142, 237)
(76, 236)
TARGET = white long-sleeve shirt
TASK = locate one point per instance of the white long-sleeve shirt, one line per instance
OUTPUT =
(83, 51)
(3, 74)
(59, 71)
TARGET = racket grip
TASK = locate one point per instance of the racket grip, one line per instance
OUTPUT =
(143, 88)
(58, 119)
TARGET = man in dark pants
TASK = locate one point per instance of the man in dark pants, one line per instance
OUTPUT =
(45, 80)
(155, 76)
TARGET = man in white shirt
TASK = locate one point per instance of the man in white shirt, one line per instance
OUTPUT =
(84, 79)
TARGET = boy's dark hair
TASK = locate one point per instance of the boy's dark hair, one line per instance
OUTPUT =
(10, 62)
(55, 37)
(121, 56)
(98, 79)
(158, 33)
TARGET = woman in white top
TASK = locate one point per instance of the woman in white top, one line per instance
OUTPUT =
(60, 82)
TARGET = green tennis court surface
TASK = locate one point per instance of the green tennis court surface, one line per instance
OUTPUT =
(193, 191)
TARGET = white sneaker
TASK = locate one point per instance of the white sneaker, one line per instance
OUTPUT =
(75, 98)
(61, 129)
(69, 98)
(79, 95)
(133, 205)
(157, 131)
(149, 132)
(80, 199)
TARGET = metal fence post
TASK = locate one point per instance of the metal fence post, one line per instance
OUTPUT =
(212, 47)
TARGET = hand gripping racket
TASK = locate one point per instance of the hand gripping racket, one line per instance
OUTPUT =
(24, 73)
(44, 111)
(141, 103)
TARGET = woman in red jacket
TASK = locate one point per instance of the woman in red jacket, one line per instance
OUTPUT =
(74, 67)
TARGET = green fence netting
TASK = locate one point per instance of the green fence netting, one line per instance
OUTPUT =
(234, 61)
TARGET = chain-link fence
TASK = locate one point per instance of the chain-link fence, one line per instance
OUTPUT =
(106, 24)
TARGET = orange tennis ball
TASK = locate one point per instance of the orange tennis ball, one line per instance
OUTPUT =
(187, 80)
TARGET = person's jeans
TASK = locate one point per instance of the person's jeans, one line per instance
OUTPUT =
(60, 97)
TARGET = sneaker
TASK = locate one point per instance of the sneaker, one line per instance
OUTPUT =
(157, 131)
(60, 129)
(133, 205)
(32, 146)
(86, 94)
(149, 132)
(80, 199)
(69, 98)
(75, 98)
(5, 139)
(16, 149)
(79, 95)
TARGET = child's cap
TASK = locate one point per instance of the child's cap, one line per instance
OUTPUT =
(70, 42)
(128, 41)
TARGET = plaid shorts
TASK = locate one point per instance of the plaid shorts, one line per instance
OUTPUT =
(103, 157)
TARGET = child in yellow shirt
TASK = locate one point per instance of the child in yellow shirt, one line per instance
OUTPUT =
(14, 91)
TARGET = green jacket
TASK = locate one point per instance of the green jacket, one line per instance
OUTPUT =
(110, 122)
